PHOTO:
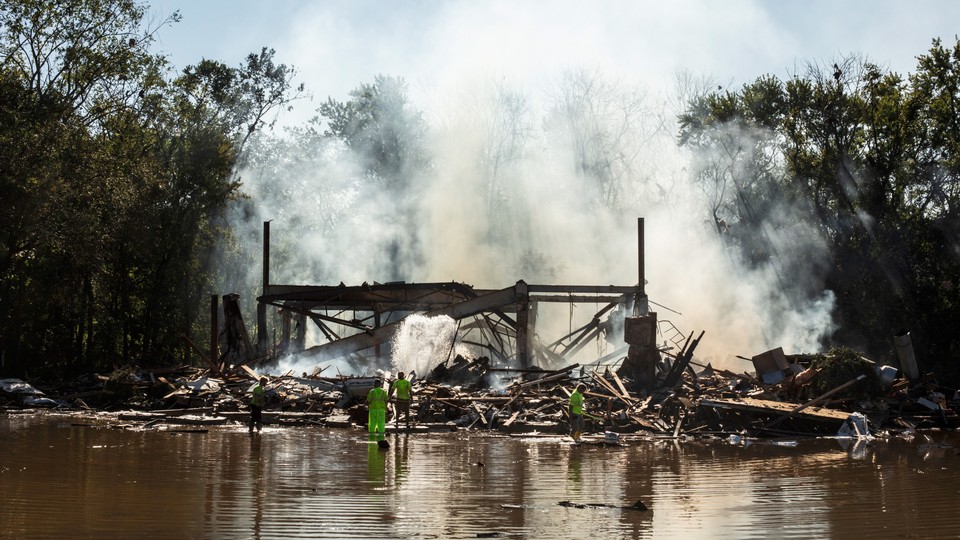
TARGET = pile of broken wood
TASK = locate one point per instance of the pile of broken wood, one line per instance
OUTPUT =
(477, 395)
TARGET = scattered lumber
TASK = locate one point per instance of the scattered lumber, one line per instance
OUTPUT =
(458, 394)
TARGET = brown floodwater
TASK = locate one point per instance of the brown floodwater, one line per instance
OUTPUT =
(62, 479)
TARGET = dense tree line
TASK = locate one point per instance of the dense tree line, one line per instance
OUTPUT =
(113, 181)
(861, 163)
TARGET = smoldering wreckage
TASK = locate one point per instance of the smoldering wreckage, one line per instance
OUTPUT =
(650, 387)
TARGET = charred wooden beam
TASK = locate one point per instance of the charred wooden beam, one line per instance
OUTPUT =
(261, 306)
(682, 361)
(238, 341)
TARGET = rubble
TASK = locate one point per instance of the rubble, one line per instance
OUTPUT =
(786, 397)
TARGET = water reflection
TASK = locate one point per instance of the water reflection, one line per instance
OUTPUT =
(855, 448)
(376, 461)
(60, 479)
(257, 482)
(574, 474)
(400, 456)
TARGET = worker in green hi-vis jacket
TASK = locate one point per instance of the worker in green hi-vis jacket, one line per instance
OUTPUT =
(377, 403)
(403, 388)
(576, 412)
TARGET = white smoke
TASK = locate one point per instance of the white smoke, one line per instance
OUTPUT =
(512, 194)
(536, 218)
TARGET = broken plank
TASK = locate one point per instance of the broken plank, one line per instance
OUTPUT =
(606, 384)
(490, 399)
(250, 372)
(603, 383)
(512, 419)
(620, 385)
(548, 378)
(676, 430)
(641, 405)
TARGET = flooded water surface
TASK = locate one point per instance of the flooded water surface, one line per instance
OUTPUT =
(62, 479)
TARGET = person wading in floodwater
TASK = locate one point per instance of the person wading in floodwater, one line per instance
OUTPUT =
(257, 402)
(377, 409)
(576, 412)
(404, 392)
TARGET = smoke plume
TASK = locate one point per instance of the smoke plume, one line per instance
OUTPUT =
(535, 178)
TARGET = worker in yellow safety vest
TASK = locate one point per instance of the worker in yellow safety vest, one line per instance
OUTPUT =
(377, 408)
(576, 412)
(404, 390)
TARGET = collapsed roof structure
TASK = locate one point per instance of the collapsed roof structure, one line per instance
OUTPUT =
(501, 321)
(357, 321)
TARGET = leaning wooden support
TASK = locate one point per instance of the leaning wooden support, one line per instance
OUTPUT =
(213, 365)
(683, 360)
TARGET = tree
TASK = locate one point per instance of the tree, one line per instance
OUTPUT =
(68, 66)
(382, 129)
(605, 129)
(738, 163)
(507, 129)
(113, 181)
(935, 157)
(865, 159)
(386, 136)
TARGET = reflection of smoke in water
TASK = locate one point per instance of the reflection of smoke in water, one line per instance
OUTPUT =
(423, 342)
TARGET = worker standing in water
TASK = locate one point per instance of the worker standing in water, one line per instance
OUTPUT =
(576, 412)
(377, 408)
(404, 390)
(257, 402)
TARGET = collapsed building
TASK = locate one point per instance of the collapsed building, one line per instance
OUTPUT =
(649, 382)
(358, 322)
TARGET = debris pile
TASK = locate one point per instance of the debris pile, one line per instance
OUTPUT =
(786, 395)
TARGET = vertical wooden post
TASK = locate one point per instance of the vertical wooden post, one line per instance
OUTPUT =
(640, 261)
(286, 323)
(376, 324)
(640, 305)
(301, 334)
(214, 329)
(523, 321)
(262, 307)
(532, 312)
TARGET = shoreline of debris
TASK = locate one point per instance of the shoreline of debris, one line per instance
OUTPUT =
(819, 395)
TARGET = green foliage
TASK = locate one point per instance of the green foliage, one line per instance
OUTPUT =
(379, 125)
(840, 366)
(868, 163)
(113, 180)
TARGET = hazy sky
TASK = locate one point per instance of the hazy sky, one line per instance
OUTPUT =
(338, 44)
